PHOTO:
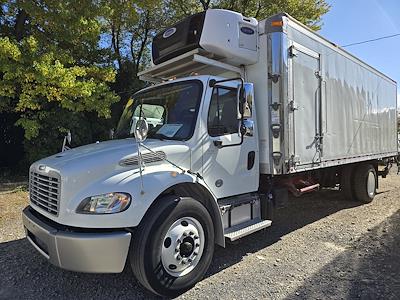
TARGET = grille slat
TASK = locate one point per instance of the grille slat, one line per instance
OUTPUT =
(44, 192)
(45, 207)
(55, 194)
(43, 196)
(46, 182)
(44, 202)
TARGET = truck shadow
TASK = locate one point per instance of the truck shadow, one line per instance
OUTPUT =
(298, 213)
(368, 269)
(25, 274)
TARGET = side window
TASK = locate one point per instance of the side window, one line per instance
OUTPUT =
(222, 114)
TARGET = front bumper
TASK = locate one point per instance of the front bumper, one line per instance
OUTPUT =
(90, 252)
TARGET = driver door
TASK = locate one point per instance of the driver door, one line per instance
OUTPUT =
(228, 167)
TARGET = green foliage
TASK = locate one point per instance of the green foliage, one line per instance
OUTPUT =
(34, 81)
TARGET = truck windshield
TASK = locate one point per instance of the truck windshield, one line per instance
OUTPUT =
(170, 110)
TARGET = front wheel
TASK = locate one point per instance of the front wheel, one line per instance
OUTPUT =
(173, 246)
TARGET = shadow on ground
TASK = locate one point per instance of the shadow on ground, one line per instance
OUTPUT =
(25, 274)
(369, 269)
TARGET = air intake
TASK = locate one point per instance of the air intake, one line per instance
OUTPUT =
(148, 158)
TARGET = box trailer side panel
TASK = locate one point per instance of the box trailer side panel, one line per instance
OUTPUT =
(335, 110)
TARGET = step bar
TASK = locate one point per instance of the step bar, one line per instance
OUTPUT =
(238, 231)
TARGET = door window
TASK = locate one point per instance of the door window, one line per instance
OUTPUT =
(222, 115)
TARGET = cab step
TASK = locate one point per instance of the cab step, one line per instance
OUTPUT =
(238, 231)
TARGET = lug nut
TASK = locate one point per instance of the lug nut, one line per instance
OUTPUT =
(178, 257)
(191, 233)
(195, 253)
(197, 245)
(196, 237)
(176, 250)
(189, 260)
(185, 234)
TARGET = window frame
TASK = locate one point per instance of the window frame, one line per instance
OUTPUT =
(197, 82)
(209, 108)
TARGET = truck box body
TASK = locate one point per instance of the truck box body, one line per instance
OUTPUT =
(326, 106)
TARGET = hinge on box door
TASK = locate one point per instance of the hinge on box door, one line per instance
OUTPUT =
(276, 156)
(274, 77)
(293, 106)
(318, 74)
(275, 106)
(292, 51)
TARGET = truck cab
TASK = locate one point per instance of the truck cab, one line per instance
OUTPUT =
(236, 117)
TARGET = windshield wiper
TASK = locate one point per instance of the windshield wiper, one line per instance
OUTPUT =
(159, 136)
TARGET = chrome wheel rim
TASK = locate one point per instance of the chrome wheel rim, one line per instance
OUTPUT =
(371, 184)
(182, 246)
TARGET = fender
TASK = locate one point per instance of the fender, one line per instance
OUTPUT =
(199, 191)
(157, 181)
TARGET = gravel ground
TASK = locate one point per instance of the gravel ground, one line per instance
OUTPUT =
(320, 247)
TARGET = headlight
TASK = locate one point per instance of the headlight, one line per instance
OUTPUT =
(104, 204)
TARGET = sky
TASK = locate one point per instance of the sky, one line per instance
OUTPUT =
(351, 21)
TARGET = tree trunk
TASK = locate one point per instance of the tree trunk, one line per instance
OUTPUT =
(19, 27)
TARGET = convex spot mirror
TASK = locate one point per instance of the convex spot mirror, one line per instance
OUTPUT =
(141, 130)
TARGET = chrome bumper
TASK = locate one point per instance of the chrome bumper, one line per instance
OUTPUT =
(77, 251)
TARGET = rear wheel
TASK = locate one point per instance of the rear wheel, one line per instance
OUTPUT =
(365, 183)
(173, 246)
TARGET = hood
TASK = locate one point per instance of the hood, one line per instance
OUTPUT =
(87, 163)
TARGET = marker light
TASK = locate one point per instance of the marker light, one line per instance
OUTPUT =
(277, 23)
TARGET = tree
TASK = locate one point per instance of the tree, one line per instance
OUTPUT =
(308, 12)
(51, 64)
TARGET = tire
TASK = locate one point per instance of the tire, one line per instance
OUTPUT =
(346, 182)
(162, 264)
(365, 183)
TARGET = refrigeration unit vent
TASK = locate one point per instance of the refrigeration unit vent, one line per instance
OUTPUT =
(178, 39)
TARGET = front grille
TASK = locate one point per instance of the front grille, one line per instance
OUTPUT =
(44, 192)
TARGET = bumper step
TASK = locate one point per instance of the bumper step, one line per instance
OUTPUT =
(241, 230)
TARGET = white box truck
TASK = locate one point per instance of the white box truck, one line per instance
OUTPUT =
(242, 113)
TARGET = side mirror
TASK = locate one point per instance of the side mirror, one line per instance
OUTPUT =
(240, 101)
(69, 137)
(67, 140)
(245, 100)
